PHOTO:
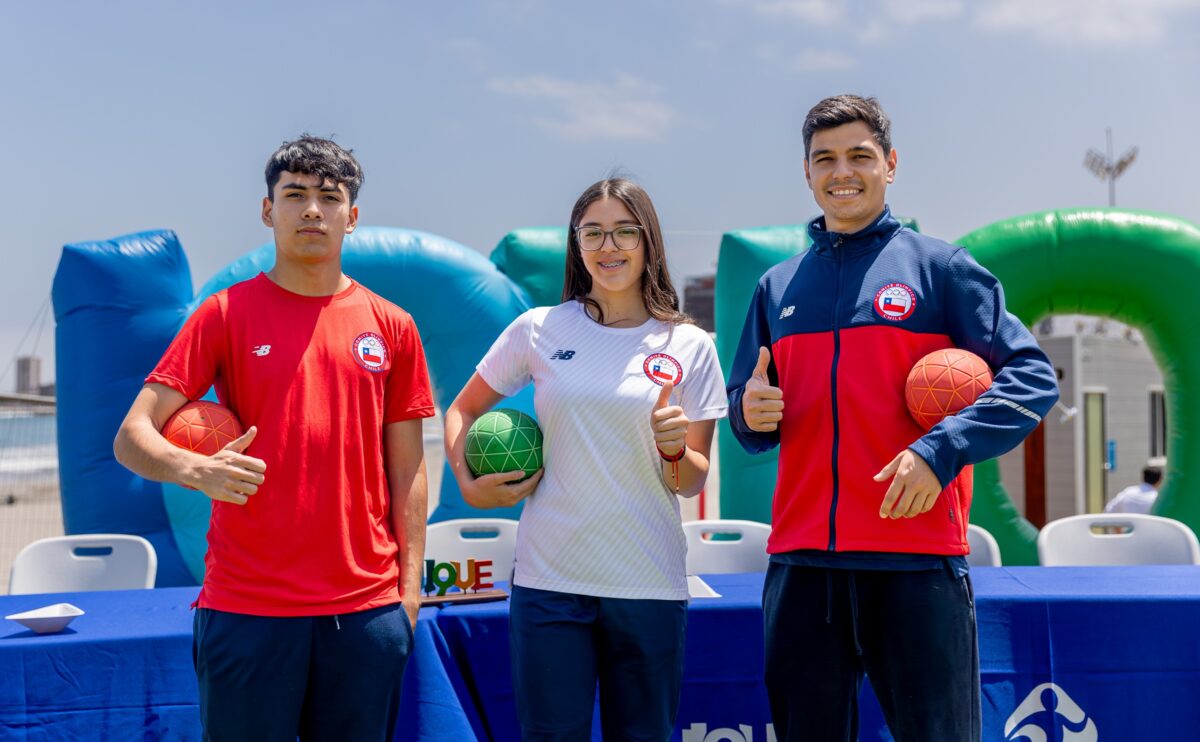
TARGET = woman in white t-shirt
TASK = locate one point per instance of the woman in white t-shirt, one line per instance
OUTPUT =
(627, 392)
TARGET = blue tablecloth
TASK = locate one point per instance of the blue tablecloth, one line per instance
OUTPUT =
(123, 671)
(722, 684)
(1121, 646)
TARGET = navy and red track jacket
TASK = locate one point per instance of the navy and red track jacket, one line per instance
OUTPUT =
(845, 321)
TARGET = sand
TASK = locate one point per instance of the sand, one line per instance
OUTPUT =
(35, 512)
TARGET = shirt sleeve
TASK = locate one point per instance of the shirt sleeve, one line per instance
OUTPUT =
(505, 367)
(702, 395)
(408, 393)
(1024, 386)
(756, 333)
(193, 360)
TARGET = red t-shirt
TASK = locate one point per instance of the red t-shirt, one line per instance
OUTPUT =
(320, 376)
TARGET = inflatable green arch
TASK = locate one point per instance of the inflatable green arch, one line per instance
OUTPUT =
(1130, 266)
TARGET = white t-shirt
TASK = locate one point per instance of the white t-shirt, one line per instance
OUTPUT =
(602, 521)
(1136, 498)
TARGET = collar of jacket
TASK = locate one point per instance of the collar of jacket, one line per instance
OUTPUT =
(869, 239)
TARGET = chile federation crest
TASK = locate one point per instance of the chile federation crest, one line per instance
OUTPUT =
(895, 302)
(661, 368)
(370, 352)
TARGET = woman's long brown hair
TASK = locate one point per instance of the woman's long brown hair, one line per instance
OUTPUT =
(658, 293)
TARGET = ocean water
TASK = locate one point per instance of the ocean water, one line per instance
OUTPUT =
(29, 496)
(28, 450)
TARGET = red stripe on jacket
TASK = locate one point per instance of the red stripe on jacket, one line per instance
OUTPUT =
(872, 366)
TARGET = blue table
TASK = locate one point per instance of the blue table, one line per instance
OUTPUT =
(1120, 644)
(722, 684)
(123, 671)
(124, 665)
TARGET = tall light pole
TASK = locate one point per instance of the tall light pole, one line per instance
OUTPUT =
(1104, 168)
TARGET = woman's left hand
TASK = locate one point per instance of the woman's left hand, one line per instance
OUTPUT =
(668, 422)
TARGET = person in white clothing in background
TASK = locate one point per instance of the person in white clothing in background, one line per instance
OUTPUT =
(1138, 498)
(627, 391)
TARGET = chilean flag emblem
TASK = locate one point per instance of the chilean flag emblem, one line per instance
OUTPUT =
(370, 351)
(895, 302)
(661, 368)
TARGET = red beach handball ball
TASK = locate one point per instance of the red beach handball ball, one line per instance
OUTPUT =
(944, 382)
(203, 427)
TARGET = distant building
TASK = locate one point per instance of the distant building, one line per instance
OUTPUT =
(698, 300)
(29, 375)
(1111, 420)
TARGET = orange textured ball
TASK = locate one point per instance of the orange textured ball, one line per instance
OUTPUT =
(203, 427)
(944, 382)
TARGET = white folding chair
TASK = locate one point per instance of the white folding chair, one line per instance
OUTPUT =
(1116, 538)
(94, 561)
(722, 546)
(985, 552)
(474, 538)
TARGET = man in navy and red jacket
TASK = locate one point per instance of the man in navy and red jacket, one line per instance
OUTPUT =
(868, 570)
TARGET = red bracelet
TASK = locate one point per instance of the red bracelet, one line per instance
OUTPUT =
(674, 463)
(676, 457)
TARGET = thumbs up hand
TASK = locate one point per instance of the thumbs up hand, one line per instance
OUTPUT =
(240, 444)
(668, 422)
(229, 475)
(762, 404)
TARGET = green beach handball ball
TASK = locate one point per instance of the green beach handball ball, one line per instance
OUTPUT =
(504, 440)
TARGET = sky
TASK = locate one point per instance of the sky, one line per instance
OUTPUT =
(477, 117)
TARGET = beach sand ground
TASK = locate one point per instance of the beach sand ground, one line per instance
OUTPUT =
(28, 512)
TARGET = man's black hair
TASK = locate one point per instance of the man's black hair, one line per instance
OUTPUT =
(845, 109)
(311, 155)
(1152, 475)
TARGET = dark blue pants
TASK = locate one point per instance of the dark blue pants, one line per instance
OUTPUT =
(564, 644)
(319, 678)
(912, 633)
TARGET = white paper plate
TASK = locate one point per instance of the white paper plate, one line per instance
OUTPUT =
(47, 620)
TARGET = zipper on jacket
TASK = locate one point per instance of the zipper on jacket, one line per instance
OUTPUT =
(837, 349)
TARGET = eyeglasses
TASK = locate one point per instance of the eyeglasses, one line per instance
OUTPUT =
(625, 237)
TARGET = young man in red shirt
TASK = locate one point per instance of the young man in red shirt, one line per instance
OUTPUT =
(312, 576)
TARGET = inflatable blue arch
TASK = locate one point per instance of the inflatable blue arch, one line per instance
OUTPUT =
(118, 303)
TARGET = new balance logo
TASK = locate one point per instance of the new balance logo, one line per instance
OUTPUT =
(787, 311)
(562, 355)
(261, 350)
